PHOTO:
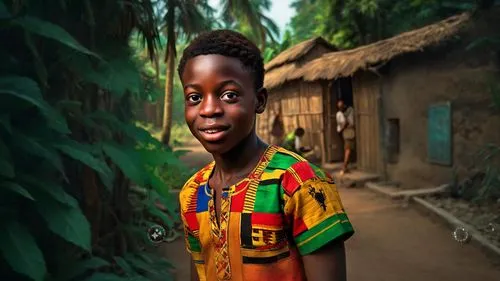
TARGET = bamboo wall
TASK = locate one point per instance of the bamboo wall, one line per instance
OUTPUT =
(366, 102)
(301, 104)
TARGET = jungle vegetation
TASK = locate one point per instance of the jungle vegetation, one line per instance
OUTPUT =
(91, 108)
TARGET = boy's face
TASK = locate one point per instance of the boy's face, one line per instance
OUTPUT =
(220, 101)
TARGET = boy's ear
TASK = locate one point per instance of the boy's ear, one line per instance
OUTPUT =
(261, 100)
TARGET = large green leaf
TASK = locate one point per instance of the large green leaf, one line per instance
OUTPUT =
(19, 249)
(83, 154)
(67, 222)
(158, 157)
(123, 264)
(5, 122)
(32, 146)
(4, 13)
(126, 159)
(28, 90)
(52, 31)
(4, 150)
(41, 189)
(6, 169)
(14, 187)
(80, 267)
(99, 276)
(118, 76)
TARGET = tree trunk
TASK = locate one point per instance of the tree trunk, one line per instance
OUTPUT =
(169, 74)
(169, 95)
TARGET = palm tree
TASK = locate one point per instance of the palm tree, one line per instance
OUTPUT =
(248, 17)
(182, 19)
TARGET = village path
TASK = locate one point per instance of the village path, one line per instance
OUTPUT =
(391, 243)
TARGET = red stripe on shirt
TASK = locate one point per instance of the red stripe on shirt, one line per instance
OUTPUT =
(267, 219)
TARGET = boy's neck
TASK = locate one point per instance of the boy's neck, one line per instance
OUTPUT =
(240, 159)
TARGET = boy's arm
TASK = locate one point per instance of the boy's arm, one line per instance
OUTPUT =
(328, 263)
(318, 221)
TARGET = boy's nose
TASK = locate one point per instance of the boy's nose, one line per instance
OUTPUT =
(211, 106)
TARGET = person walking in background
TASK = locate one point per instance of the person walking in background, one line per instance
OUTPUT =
(345, 127)
(277, 129)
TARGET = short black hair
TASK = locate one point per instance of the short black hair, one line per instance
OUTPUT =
(300, 131)
(230, 44)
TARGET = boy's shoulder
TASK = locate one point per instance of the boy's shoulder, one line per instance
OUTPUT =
(196, 180)
(296, 165)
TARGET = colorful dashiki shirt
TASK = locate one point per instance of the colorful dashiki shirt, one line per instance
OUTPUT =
(284, 209)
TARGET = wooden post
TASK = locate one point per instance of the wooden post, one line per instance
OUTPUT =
(382, 125)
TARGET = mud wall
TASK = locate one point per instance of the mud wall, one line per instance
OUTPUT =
(448, 73)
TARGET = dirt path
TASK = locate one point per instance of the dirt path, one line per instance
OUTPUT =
(391, 243)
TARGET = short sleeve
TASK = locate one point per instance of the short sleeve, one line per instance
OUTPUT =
(313, 208)
(192, 242)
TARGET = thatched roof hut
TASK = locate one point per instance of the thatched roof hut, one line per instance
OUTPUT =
(345, 63)
(283, 66)
(300, 103)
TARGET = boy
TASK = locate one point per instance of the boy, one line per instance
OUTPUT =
(292, 142)
(258, 212)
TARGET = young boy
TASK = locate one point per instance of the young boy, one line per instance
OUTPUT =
(258, 212)
(293, 142)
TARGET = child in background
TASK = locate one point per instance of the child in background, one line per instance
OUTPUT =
(258, 212)
(293, 142)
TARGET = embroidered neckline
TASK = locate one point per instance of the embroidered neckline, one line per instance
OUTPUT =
(220, 226)
(244, 183)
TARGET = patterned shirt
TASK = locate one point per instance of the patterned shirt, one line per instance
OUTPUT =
(284, 209)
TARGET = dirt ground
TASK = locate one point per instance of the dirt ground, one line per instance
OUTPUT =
(391, 243)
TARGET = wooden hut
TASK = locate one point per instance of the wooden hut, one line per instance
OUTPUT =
(301, 103)
(421, 98)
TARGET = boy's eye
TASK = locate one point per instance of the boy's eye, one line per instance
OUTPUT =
(229, 96)
(193, 98)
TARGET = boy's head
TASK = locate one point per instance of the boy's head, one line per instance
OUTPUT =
(227, 43)
(341, 105)
(299, 132)
(222, 74)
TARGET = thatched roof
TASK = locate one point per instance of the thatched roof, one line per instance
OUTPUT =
(345, 63)
(295, 52)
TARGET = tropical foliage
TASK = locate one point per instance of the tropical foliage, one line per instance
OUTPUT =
(69, 149)
(350, 23)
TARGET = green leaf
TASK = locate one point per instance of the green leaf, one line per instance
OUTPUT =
(155, 211)
(99, 276)
(139, 263)
(5, 122)
(43, 188)
(28, 90)
(52, 31)
(40, 69)
(67, 222)
(4, 150)
(31, 146)
(158, 157)
(4, 13)
(123, 264)
(81, 267)
(118, 75)
(6, 169)
(127, 161)
(82, 153)
(17, 189)
(20, 251)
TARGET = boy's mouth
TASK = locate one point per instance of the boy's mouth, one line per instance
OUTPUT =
(213, 133)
